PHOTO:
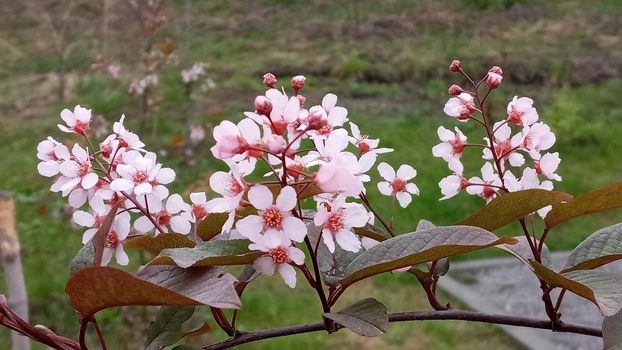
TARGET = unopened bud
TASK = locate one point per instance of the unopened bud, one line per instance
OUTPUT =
(493, 80)
(302, 100)
(298, 82)
(455, 66)
(455, 90)
(269, 80)
(263, 105)
(496, 70)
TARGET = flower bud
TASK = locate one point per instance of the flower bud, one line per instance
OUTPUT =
(455, 66)
(493, 80)
(455, 90)
(298, 82)
(496, 70)
(263, 105)
(269, 80)
(302, 100)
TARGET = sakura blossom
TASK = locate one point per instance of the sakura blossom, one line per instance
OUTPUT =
(452, 146)
(547, 166)
(78, 170)
(487, 186)
(537, 138)
(142, 175)
(51, 153)
(174, 214)
(396, 183)
(453, 184)
(460, 107)
(364, 143)
(114, 240)
(280, 254)
(237, 142)
(272, 216)
(521, 111)
(92, 220)
(337, 219)
(77, 121)
(505, 145)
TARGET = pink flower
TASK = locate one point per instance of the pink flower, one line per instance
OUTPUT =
(76, 121)
(339, 175)
(453, 184)
(455, 66)
(505, 145)
(460, 107)
(142, 175)
(455, 90)
(337, 218)
(364, 143)
(127, 139)
(280, 254)
(298, 82)
(547, 166)
(397, 184)
(322, 120)
(51, 153)
(272, 217)
(78, 170)
(521, 111)
(452, 146)
(114, 241)
(487, 186)
(237, 142)
(92, 220)
(537, 138)
(174, 214)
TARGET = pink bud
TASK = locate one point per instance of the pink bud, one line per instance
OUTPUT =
(493, 80)
(298, 82)
(302, 100)
(275, 143)
(496, 70)
(455, 90)
(263, 105)
(455, 66)
(269, 80)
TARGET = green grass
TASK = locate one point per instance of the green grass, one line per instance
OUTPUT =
(388, 62)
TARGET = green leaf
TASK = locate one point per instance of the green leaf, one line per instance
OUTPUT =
(370, 231)
(511, 206)
(211, 253)
(522, 251)
(602, 247)
(367, 317)
(612, 332)
(601, 288)
(98, 287)
(419, 247)
(84, 258)
(602, 199)
(211, 226)
(155, 244)
(166, 328)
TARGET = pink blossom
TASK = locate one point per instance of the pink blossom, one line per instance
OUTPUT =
(455, 66)
(78, 170)
(339, 175)
(455, 90)
(452, 146)
(505, 145)
(460, 107)
(280, 254)
(537, 138)
(397, 184)
(453, 184)
(237, 142)
(487, 186)
(269, 80)
(51, 153)
(322, 120)
(493, 80)
(298, 82)
(142, 175)
(272, 217)
(364, 143)
(521, 111)
(76, 121)
(114, 240)
(92, 220)
(547, 166)
(126, 138)
(337, 219)
(175, 214)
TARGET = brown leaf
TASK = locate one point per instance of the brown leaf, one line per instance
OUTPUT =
(509, 207)
(155, 244)
(602, 199)
(96, 288)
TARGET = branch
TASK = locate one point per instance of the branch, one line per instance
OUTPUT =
(462, 315)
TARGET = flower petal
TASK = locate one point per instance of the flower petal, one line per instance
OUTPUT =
(260, 197)
(294, 229)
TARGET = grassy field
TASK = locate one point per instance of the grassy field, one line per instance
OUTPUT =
(387, 60)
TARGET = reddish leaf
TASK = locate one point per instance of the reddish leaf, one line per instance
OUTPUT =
(155, 244)
(96, 288)
(509, 207)
(211, 253)
(602, 199)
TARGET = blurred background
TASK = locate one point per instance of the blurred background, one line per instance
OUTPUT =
(387, 60)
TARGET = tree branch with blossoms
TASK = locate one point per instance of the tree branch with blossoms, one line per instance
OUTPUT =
(315, 157)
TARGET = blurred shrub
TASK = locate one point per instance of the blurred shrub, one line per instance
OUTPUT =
(492, 4)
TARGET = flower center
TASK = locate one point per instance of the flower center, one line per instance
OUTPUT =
(325, 129)
(503, 148)
(488, 192)
(113, 240)
(163, 218)
(84, 169)
(278, 255)
(398, 185)
(335, 222)
(515, 117)
(140, 177)
(272, 217)
(279, 127)
(536, 165)
(199, 212)
(235, 187)
(80, 127)
(99, 220)
(255, 151)
(106, 150)
(364, 147)
(458, 146)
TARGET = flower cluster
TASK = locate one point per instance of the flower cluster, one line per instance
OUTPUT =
(309, 154)
(193, 73)
(117, 174)
(517, 144)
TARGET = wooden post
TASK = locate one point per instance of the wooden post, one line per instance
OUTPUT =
(12, 264)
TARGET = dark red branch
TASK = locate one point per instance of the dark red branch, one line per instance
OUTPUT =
(461, 315)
